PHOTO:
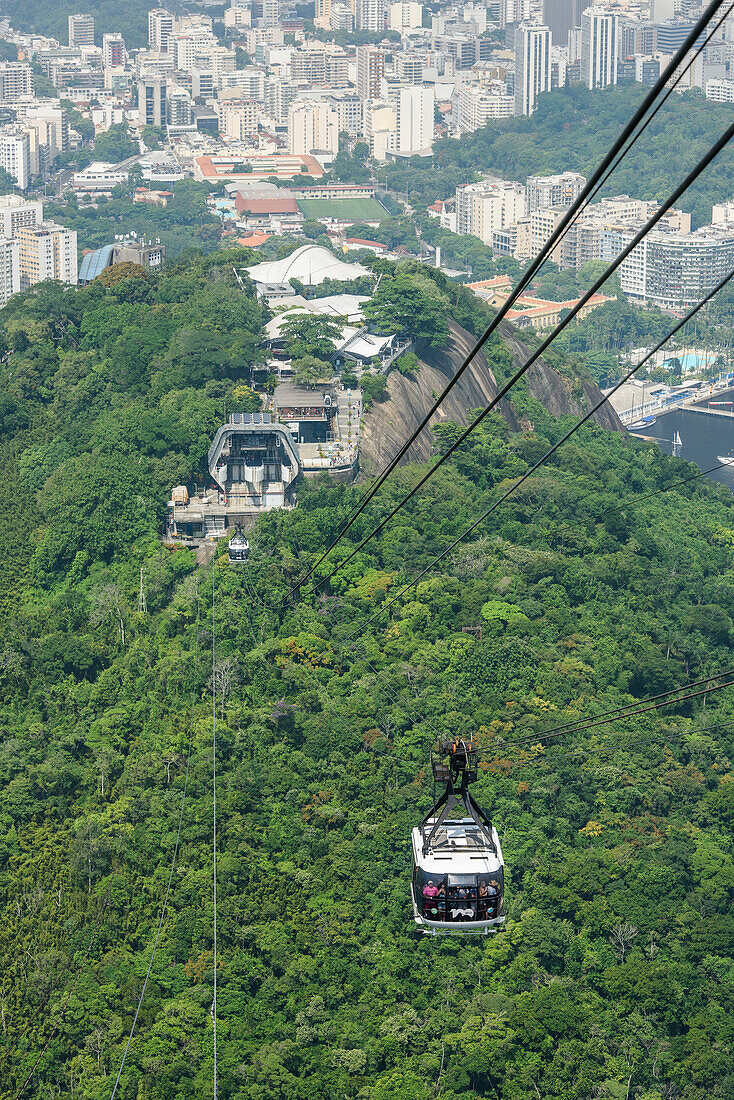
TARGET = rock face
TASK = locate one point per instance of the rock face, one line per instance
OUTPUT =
(389, 422)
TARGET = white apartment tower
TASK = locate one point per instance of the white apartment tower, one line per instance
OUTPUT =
(16, 212)
(113, 51)
(405, 15)
(160, 29)
(47, 251)
(313, 126)
(370, 69)
(9, 270)
(369, 15)
(415, 108)
(486, 207)
(81, 30)
(532, 66)
(15, 155)
(16, 81)
(598, 48)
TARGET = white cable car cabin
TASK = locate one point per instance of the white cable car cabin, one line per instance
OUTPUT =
(239, 548)
(458, 874)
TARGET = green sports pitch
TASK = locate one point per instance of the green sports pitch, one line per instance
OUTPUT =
(346, 210)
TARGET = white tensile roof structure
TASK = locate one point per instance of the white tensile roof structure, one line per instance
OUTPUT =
(310, 264)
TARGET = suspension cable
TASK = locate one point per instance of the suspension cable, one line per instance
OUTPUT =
(214, 813)
(176, 845)
(544, 458)
(596, 181)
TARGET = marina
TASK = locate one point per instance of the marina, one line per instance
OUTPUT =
(708, 442)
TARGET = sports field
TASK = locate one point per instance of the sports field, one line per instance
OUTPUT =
(347, 210)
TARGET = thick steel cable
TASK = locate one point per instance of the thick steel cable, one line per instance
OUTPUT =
(164, 907)
(637, 239)
(710, 690)
(544, 458)
(214, 824)
(596, 181)
(661, 738)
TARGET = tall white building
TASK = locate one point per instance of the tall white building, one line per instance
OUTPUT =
(542, 192)
(599, 45)
(369, 15)
(180, 109)
(674, 271)
(532, 66)
(415, 109)
(81, 30)
(406, 15)
(313, 125)
(9, 270)
(160, 29)
(113, 51)
(486, 207)
(47, 251)
(478, 104)
(16, 81)
(16, 212)
(15, 155)
(370, 68)
(237, 118)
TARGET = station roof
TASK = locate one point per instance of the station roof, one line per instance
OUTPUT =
(311, 265)
(94, 263)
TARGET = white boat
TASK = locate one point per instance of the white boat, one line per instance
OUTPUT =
(726, 460)
(640, 425)
(677, 441)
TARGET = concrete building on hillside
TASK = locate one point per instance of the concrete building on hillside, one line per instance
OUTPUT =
(47, 251)
(9, 269)
(479, 104)
(81, 30)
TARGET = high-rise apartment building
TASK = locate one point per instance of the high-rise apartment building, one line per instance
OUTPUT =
(313, 125)
(370, 70)
(598, 48)
(113, 51)
(153, 101)
(410, 66)
(675, 270)
(48, 127)
(369, 15)
(405, 15)
(160, 29)
(415, 110)
(16, 81)
(479, 104)
(532, 66)
(9, 269)
(180, 109)
(16, 212)
(238, 118)
(486, 207)
(15, 155)
(542, 192)
(47, 251)
(81, 30)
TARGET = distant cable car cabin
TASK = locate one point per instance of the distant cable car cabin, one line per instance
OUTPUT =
(239, 548)
(458, 874)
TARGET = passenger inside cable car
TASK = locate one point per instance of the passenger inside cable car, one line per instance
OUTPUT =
(455, 899)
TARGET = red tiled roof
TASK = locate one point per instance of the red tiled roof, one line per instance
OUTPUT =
(276, 205)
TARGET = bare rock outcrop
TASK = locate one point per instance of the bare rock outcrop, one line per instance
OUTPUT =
(389, 422)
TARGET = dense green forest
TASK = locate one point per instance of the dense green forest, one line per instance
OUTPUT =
(570, 131)
(613, 976)
(129, 18)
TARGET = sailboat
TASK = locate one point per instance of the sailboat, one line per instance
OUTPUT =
(677, 444)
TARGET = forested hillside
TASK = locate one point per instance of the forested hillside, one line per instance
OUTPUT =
(613, 976)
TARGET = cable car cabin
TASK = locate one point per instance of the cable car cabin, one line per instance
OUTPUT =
(239, 548)
(458, 875)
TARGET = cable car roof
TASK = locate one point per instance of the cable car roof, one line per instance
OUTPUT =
(458, 848)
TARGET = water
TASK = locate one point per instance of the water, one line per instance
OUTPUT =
(703, 439)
